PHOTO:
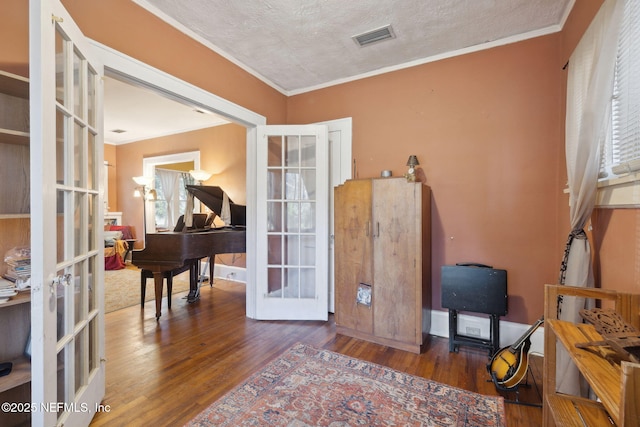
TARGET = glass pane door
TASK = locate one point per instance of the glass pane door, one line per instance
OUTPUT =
(293, 189)
(77, 219)
(67, 318)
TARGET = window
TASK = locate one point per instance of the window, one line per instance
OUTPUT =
(621, 151)
(171, 196)
(188, 160)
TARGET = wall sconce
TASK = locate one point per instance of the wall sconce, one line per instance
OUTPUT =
(412, 162)
(200, 175)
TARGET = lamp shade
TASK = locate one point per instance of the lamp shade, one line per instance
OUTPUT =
(413, 161)
(200, 175)
(143, 180)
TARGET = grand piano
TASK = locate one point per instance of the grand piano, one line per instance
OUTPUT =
(189, 243)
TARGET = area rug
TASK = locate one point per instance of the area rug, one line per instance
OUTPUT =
(312, 387)
(122, 288)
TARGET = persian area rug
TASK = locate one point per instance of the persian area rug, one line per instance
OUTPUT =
(310, 387)
(122, 288)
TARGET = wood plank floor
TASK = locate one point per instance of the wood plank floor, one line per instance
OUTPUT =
(164, 373)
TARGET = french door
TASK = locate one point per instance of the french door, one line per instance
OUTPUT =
(292, 224)
(67, 319)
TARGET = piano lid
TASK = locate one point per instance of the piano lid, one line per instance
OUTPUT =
(212, 196)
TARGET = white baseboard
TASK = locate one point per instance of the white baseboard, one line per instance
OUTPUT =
(509, 332)
(228, 272)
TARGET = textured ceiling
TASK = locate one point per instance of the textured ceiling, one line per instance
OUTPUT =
(143, 114)
(299, 45)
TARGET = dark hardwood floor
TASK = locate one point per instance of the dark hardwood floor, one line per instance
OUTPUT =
(164, 373)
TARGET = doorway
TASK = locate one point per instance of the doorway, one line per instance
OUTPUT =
(139, 74)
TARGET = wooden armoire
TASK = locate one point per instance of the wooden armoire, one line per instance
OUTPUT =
(383, 261)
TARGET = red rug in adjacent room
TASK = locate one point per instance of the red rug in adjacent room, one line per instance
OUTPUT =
(306, 386)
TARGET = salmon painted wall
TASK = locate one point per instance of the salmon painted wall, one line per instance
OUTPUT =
(616, 241)
(488, 128)
(222, 152)
(14, 38)
(487, 131)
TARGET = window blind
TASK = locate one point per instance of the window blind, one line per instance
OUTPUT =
(625, 137)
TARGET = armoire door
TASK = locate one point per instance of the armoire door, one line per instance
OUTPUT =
(353, 249)
(67, 262)
(396, 244)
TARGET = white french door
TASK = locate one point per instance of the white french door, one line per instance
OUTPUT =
(67, 319)
(292, 224)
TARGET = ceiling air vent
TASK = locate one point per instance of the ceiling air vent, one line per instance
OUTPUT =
(118, 131)
(374, 36)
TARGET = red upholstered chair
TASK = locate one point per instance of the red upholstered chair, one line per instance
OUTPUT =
(128, 235)
(126, 230)
(115, 248)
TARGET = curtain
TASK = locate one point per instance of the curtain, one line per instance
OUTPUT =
(589, 91)
(169, 181)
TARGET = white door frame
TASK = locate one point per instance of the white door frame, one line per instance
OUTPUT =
(144, 75)
(340, 170)
(141, 74)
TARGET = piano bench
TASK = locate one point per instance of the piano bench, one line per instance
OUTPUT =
(148, 274)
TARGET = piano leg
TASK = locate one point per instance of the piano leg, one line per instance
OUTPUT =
(169, 288)
(158, 279)
(194, 282)
(212, 266)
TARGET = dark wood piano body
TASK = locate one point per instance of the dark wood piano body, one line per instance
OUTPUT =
(168, 251)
